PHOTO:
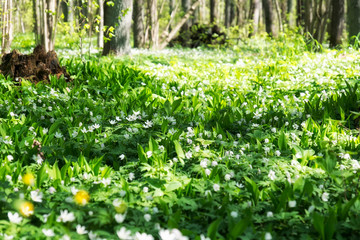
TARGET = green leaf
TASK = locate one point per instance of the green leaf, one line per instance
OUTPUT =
(213, 228)
(179, 150)
(172, 186)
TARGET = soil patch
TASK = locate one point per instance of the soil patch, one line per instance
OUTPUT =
(34, 67)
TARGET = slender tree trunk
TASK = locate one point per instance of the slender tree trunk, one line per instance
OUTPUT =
(7, 28)
(171, 9)
(185, 5)
(353, 18)
(300, 13)
(101, 24)
(227, 13)
(202, 9)
(214, 14)
(291, 13)
(138, 25)
(120, 43)
(153, 23)
(279, 15)
(256, 6)
(65, 11)
(337, 22)
(269, 17)
(71, 10)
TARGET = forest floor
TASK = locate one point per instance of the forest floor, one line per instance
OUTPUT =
(242, 142)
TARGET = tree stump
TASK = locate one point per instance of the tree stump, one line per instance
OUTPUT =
(34, 67)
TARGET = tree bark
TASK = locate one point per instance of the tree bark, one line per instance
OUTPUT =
(353, 18)
(185, 5)
(227, 13)
(101, 24)
(171, 9)
(179, 25)
(269, 17)
(337, 22)
(7, 26)
(138, 25)
(153, 23)
(202, 11)
(119, 44)
(214, 13)
(279, 15)
(255, 14)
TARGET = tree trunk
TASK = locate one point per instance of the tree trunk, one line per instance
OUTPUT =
(279, 15)
(119, 44)
(185, 5)
(227, 13)
(71, 10)
(7, 26)
(179, 25)
(337, 22)
(138, 25)
(269, 17)
(65, 11)
(214, 13)
(202, 10)
(353, 18)
(256, 5)
(171, 9)
(101, 24)
(300, 13)
(291, 13)
(153, 23)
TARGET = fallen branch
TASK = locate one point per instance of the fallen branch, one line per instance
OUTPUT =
(179, 25)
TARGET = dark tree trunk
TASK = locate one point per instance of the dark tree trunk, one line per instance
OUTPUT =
(227, 13)
(300, 13)
(138, 25)
(113, 16)
(353, 17)
(269, 17)
(337, 22)
(255, 15)
(65, 11)
(214, 14)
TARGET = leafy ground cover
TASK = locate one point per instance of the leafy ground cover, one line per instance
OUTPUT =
(259, 141)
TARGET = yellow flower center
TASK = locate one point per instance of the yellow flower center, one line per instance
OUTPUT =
(29, 179)
(82, 197)
(26, 209)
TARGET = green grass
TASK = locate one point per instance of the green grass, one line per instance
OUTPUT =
(255, 141)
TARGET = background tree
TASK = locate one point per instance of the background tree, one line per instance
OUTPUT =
(118, 17)
(337, 22)
(138, 24)
(153, 23)
(214, 13)
(7, 25)
(269, 17)
(353, 17)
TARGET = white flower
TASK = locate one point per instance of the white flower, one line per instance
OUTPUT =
(173, 234)
(36, 196)
(124, 234)
(202, 237)
(122, 156)
(148, 154)
(292, 204)
(145, 189)
(112, 122)
(188, 155)
(106, 181)
(268, 236)
(119, 218)
(269, 214)
(234, 214)
(14, 217)
(214, 163)
(52, 190)
(131, 176)
(65, 237)
(227, 177)
(8, 237)
(58, 135)
(37, 158)
(207, 172)
(204, 163)
(311, 208)
(81, 230)
(143, 236)
(10, 158)
(92, 236)
(277, 153)
(271, 175)
(65, 216)
(216, 187)
(48, 232)
(147, 217)
(45, 131)
(325, 196)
